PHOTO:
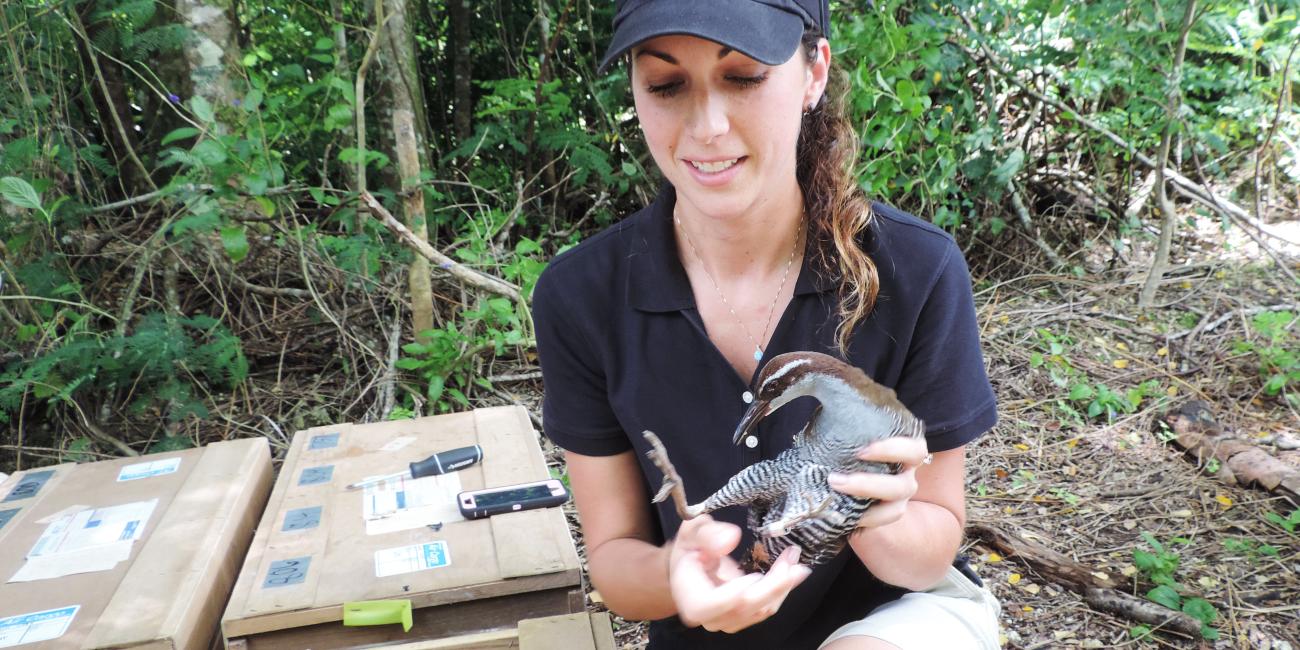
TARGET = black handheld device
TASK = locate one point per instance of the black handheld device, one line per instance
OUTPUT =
(477, 504)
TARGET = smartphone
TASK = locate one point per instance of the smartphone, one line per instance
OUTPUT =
(477, 504)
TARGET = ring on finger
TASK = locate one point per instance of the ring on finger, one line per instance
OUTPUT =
(929, 458)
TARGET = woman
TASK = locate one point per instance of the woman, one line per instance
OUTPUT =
(759, 243)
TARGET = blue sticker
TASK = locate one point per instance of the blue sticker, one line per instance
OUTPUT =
(30, 484)
(314, 475)
(435, 554)
(287, 572)
(302, 518)
(6, 515)
(324, 441)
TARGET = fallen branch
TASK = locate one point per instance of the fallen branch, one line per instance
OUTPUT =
(1097, 589)
(1142, 611)
(457, 270)
(1015, 543)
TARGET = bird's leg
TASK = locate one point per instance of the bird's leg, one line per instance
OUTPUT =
(814, 510)
(672, 485)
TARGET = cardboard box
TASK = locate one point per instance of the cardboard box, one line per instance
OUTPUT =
(319, 545)
(180, 520)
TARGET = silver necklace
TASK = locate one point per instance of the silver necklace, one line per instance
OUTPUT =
(758, 350)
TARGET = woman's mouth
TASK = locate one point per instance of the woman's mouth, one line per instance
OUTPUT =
(715, 172)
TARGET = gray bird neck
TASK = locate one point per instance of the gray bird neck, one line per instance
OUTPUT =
(848, 419)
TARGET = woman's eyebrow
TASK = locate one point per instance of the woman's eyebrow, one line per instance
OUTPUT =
(656, 54)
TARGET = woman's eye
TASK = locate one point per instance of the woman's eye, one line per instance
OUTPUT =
(747, 82)
(665, 89)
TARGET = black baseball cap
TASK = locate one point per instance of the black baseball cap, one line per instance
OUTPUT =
(768, 31)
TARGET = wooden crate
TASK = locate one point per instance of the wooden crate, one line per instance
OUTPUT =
(502, 570)
(170, 591)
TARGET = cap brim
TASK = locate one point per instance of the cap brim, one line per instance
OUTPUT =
(764, 33)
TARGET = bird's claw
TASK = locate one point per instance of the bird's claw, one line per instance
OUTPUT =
(672, 485)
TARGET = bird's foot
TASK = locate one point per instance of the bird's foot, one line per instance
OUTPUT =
(672, 485)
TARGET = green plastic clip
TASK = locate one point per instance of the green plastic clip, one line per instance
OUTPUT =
(378, 612)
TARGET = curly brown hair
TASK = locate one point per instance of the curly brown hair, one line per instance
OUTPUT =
(837, 209)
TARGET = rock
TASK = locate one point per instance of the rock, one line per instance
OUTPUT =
(1286, 442)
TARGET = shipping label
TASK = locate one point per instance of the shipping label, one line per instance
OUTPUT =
(36, 627)
(409, 559)
(149, 470)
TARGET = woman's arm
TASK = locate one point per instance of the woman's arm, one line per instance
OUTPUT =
(630, 571)
(693, 576)
(911, 535)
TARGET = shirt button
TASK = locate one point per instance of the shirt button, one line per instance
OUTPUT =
(751, 441)
(747, 397)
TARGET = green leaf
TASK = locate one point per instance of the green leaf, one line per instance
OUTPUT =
(1200, 609)
(180, 134)
(209, 152)
(1165, 595)
(252, 100)
(202, 109)
(170, 443)
(21, 193)
(324, 43)
(1081, 391)
(235, 241)
(249, 60)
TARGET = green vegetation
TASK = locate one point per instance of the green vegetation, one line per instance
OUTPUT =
(1159, 566)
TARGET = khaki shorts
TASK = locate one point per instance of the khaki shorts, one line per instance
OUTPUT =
(951, 615)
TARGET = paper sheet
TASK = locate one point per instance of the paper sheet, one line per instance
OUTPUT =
(93, 539)
(403, 504)
(37, 626)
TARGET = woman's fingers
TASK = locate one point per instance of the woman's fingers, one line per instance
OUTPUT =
(738, 602)
(908, 452)
(881, 487)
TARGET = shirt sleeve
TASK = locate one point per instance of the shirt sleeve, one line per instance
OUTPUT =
(943, 380)
(576, 413)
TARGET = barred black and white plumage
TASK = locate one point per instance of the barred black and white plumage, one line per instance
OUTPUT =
(790, 501)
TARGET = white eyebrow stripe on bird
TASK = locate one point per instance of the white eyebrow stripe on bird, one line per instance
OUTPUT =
(785, 369)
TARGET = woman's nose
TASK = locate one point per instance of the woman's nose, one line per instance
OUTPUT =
(708, 118)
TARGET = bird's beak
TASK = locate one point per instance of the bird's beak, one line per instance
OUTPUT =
(757, 411)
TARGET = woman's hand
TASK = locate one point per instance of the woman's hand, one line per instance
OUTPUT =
(890, 491)
(709, 587)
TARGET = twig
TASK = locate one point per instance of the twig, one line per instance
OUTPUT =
(1169, 219)
(1272, 129)
(457, 270)
(360, 92)
(523, 376)
(80, 29)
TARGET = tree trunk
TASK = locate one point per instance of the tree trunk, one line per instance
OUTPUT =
(211, 50)
(343, 68)
(462, 70)
(1173, 95)
(408, 162)
(400, 69)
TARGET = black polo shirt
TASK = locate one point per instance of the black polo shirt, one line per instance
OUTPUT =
(623, 349)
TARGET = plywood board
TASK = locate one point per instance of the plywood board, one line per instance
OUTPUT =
(511, 554)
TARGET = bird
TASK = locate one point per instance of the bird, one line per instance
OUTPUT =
(790, 500)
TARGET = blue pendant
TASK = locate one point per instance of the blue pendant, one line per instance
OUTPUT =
(758, 354)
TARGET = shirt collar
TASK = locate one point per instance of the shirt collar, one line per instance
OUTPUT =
(657, 281)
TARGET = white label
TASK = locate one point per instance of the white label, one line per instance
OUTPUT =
(409, 559)
(86, 541)
(149, 470)
(35, 627)
(397, 443)
(403, 504)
